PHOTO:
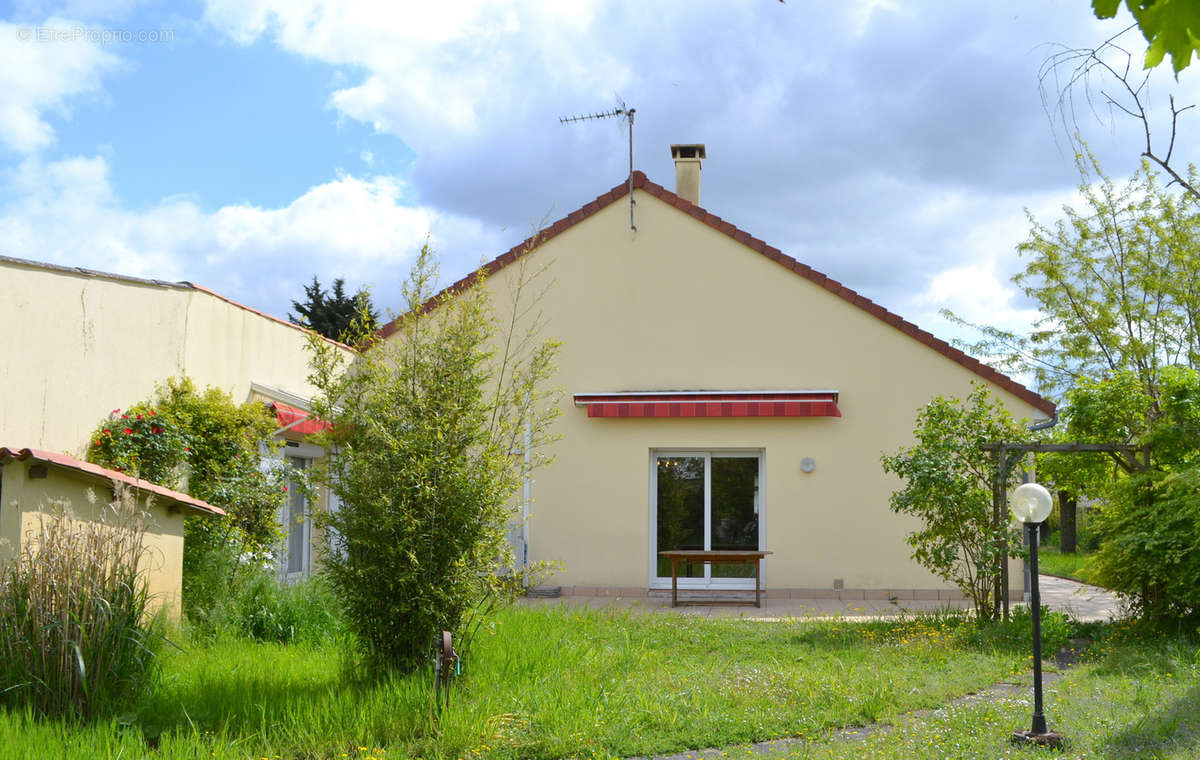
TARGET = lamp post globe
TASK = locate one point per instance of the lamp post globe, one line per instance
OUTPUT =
(1031, 503)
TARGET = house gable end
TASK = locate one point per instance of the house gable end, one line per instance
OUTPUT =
(668, 198)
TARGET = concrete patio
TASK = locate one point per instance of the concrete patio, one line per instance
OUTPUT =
(1081, 601)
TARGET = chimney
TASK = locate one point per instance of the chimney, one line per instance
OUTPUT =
(687, 171)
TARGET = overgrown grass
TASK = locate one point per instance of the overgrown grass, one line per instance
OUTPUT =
(257, 606)
(551, 683)
(1076, 565)
(75, 637)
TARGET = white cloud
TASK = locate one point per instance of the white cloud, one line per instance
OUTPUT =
(66, 212)
(45, 65)
(431, 67)
(979, 236)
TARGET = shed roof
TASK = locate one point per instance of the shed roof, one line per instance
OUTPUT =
(62, 461)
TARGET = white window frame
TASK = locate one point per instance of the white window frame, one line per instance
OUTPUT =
(657, 582)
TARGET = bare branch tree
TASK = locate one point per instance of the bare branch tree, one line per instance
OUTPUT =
(1102, 79)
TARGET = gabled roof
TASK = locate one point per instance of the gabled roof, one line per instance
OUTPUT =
(641, 182)
(87, 468)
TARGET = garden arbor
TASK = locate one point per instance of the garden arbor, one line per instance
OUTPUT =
(1007, 455)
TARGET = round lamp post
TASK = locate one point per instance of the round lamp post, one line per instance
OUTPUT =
(1031, 503)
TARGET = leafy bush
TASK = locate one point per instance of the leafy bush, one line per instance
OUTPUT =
(948, 487)
(141, 442)
(1149, 524)
(75, 638)
(426, 426)
(210, 447)
(1150, 532)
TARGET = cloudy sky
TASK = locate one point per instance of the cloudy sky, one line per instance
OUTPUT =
(247, 144)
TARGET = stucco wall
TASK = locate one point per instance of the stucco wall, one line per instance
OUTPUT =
(25, 501)
(81, 345)
(677, 305)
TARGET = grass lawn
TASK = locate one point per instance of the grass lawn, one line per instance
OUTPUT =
(1131, 699)
(549, 683)
(1054, 562)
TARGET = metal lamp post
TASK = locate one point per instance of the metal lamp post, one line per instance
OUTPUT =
(1031, 503)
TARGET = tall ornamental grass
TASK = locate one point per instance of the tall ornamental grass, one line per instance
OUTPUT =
(75, 636)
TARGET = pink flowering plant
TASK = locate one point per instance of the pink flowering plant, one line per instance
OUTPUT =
(143, 442)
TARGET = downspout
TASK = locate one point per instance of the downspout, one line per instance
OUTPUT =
(1043, 425)
(526, 497)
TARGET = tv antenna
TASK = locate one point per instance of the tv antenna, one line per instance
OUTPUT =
(623, 112)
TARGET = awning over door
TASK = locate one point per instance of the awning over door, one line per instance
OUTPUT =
(669, 404)
(298, 420)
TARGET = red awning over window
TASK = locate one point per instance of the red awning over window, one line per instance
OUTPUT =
(670, 404)
(298, 420)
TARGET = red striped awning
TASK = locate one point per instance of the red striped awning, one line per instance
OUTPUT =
(297, 420)
(670, 404)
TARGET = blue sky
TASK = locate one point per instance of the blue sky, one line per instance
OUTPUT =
(247, 145)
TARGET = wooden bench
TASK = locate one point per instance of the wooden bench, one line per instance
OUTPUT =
(713, 557)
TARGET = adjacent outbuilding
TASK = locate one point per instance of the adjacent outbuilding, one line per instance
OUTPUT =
(34, 482)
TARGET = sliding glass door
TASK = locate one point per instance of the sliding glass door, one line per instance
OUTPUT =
(705, 500)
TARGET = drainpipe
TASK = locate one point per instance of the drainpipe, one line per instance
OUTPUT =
(1043, 425)
(526, 496)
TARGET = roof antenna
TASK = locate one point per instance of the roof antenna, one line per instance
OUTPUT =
(623, 112)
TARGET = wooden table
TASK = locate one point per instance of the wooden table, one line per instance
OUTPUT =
(713, 557)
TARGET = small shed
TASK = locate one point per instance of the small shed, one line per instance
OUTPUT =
(33, 481)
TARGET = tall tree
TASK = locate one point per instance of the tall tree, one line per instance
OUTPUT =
(331, 313)
(1118, 285)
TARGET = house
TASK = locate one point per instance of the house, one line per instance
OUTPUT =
(81, 343)
(33, 483)
(722, 394)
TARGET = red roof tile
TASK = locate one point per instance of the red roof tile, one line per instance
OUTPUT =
(640, 182)
(87, 468)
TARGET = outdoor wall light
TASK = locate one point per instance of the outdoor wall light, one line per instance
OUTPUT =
(1031, 503)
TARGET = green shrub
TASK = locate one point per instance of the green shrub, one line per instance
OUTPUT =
(1148, 552)
(948, 482)
(75, 636)
(209, 446)
(429, 428)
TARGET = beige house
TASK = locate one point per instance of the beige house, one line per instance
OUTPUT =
(82, 343)
(719, 394)
(33, 483)
(722, 395)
